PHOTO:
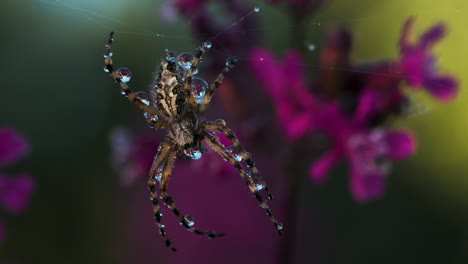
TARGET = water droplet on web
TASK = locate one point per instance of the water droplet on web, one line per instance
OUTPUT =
(189, 220)
(199, 88)
(256, 9)
(185, 60)
(311, 47)
(124, 74)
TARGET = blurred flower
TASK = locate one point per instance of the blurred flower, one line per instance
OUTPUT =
(285, 84)
(15, 191)
(350, 104)
(369, 151)
(418, 64)
(132, 155)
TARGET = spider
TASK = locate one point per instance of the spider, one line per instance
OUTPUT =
(177, 102)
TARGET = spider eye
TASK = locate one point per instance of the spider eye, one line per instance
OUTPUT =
(199, 87)
(124, 74)
(185, 60)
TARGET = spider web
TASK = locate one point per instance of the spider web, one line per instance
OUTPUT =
(127, 21)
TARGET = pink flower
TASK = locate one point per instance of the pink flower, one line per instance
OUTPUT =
(285, 84)
(368, 151)
(419, 64)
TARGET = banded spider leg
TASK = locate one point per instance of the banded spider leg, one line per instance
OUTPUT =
(218, 147)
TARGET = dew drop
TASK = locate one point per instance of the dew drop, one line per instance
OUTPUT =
(261, 59)
(279, 225)
(185, 60)
(106, 69)
(189, 220)
(259, 186)
(199, 88)
(143, 98)
(231, 62)
(311, 47)
(238, 157)
(122, 92)
(124, 74)
(194, 70)
(194, 154)
(256, 9)
(207, 45)
(171, 56)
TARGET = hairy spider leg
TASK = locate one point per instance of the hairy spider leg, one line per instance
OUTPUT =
(230, 63)
(220, 126)
(213, 142)
(169, 201)
(125, 89)
(161, 156)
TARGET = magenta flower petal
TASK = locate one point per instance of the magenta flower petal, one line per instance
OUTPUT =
(444, 88)
(367, 187)
(15, 192)
(401, 144)
(13, 146)
(320, 168)
(432, 36)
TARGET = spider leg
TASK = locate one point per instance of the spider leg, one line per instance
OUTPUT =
(240, 153)
(159, 158)
(184, 220)
(125, 90)
(230, 63)
(214, 143)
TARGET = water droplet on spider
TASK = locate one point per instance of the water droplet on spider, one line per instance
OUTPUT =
(123, 92)
(199, 88)
(143, 97)
(238, 157)
(231, 61)
(171, 56)
(124, 74)
(108, 54)
(207, 45)
(259, 186)
(106, 69)
(194, 154)
(189, 220)
(279, 225)
(311, 47)
(194, 70)
(185, 60)
(158, 177)
(256, 9)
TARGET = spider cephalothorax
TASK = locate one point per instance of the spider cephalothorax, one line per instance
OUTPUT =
(177, 101)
